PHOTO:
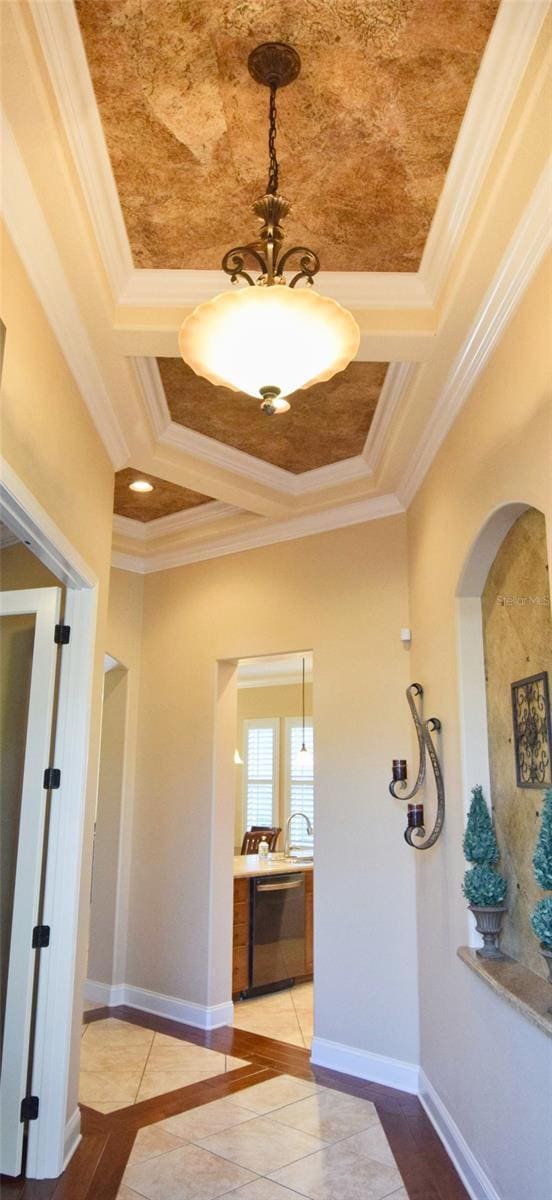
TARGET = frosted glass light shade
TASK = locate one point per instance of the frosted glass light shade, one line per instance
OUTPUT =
(269, 337)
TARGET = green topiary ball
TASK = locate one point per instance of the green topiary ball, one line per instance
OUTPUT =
(541, 920)
(483, 887)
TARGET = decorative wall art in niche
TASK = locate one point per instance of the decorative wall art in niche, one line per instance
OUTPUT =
(532, 735)
(517, 637)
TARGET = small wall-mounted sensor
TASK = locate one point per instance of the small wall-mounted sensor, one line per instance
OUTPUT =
(406, 636)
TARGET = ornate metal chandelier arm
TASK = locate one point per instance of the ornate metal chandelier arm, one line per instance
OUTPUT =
(431, 723)
(233, 263)
(414, 689)
(309, 263)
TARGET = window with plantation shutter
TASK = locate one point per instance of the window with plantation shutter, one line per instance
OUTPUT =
(260, 772)
(299, 779)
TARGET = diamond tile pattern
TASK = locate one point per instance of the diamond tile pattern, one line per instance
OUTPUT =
(122, 1064)
(281, 1138)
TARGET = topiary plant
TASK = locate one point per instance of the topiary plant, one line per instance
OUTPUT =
(483, 887)
(542, 858)
(479, 839)
(541, 917)
(541, 920)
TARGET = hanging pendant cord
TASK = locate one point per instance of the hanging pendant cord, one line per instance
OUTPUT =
(272, 185)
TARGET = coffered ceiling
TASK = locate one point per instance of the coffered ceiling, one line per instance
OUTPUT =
(326, 424)
(366, 132)
(414, 150)
(164, 499)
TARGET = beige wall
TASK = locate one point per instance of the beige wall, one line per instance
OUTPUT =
(123, 640)
(256, 703)
(489, 1065)
(103, 913)
(518, 643)
(343, 595)
(49, 440)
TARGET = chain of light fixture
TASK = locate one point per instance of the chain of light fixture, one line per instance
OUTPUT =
(274, 65)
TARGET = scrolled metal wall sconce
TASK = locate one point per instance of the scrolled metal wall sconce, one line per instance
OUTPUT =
(415, 827)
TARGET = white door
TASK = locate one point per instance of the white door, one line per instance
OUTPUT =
(27, 624)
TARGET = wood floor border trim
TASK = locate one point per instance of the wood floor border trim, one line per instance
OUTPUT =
(96, 1169)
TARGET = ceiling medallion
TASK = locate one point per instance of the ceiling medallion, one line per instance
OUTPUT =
(268, 339)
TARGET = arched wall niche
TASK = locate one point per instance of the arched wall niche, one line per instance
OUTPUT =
(479, 760)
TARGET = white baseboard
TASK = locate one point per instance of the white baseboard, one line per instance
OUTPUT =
(201, 1016)
(109, 994)
(72, 1136)
(391, 1072)
(474, 1178)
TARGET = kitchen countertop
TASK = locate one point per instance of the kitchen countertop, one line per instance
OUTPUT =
(246, 866)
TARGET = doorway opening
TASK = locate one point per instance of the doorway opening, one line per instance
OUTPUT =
(273, 870)
(104, 948)
(45, 577)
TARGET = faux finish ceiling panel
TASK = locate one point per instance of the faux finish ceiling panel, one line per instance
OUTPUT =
(166, 498)
(326, 423)
(366, 132)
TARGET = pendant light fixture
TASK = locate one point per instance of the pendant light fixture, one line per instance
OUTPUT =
(269, 339)
(305, 756)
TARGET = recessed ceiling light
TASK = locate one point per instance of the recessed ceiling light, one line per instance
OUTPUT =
(141, 485)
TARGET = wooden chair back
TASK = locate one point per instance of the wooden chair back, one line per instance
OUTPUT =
(254, 836)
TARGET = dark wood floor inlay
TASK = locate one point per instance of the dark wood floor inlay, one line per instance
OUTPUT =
(96, 1170)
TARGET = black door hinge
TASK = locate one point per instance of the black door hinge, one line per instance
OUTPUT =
(62, 633)
(41, 937)
(52, 778)
(29, 1108)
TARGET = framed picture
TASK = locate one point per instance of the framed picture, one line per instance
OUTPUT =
(532, 734)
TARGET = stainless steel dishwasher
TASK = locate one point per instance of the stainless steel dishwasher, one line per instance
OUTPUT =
(277, 948)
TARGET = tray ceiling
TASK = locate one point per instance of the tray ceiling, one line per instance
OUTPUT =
(185, 125)
(326, 423)
(165, 499)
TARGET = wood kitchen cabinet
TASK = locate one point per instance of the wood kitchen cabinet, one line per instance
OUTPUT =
(240, 959)
(309, 899)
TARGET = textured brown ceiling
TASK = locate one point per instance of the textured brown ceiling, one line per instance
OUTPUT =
(326, 423)
(366, 132)
(165, 499)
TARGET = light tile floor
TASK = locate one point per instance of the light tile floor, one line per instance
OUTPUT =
(272, 1141)
(122, 1064)
(286, 1016)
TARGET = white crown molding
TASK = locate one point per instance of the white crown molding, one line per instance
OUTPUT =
(34, 243)
(354, 289)
(527, 247)
(506, 56)
(395, 385)
(511, 42)
(175, 523)
(218, 454)
(273, 681)
(262, 534)
(60, 39)
(153, 393)
(7, 537)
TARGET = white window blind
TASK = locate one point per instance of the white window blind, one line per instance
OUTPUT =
(299, 779)
(261, 772)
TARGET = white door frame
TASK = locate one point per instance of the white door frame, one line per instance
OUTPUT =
(54, 1136)
(44, 605)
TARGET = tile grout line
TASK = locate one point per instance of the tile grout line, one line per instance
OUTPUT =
(144, 1068)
